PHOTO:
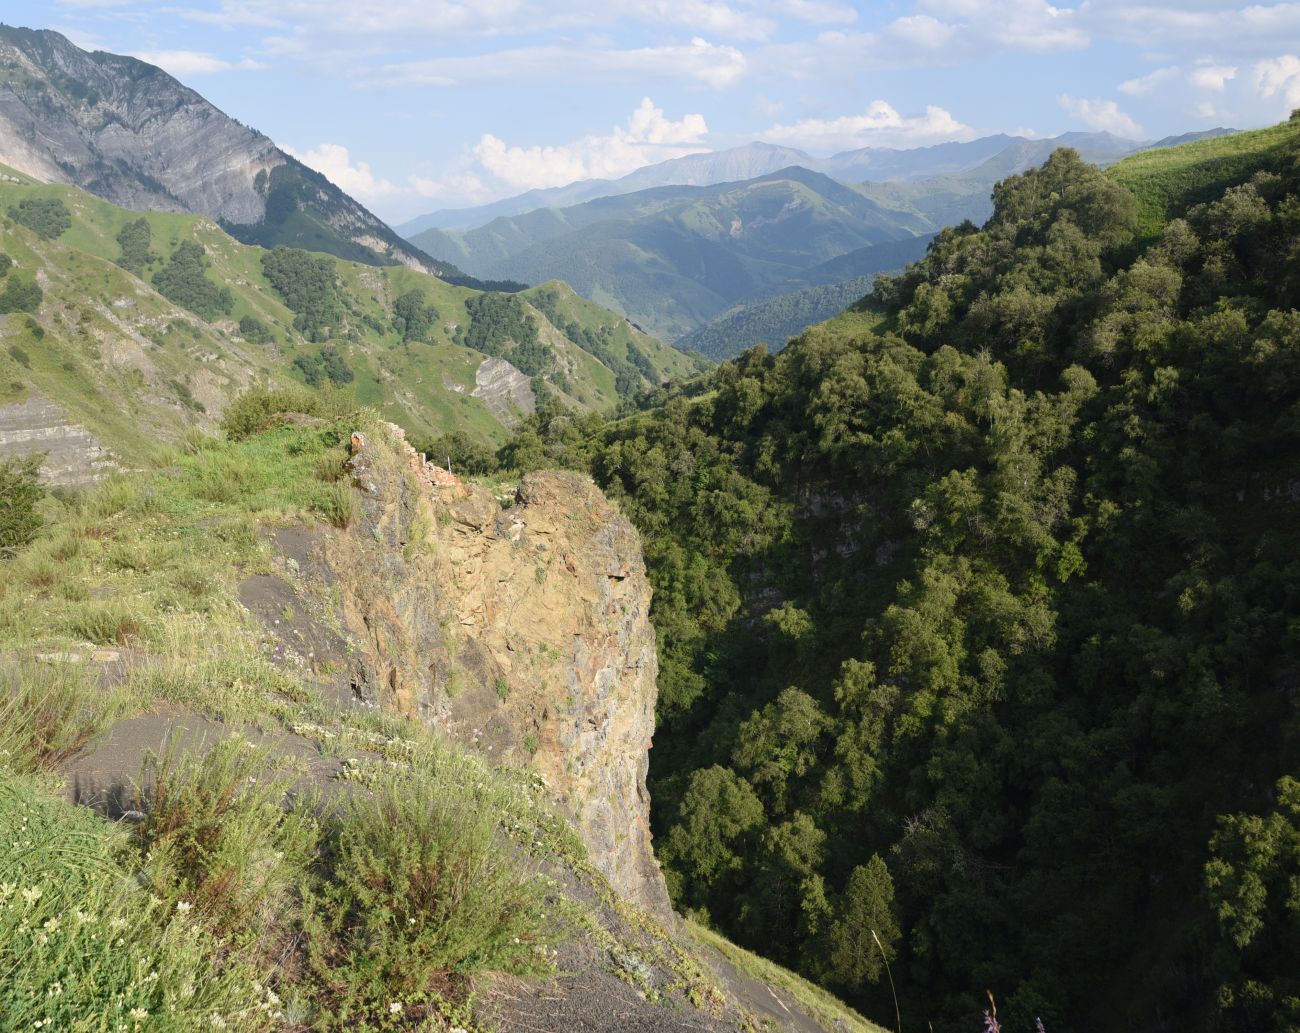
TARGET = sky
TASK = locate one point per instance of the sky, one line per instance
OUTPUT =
(416, 105)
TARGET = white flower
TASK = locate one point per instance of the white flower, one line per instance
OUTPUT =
(139, 1014)
(216, 1021)
(395, 1008)
(32, 895)
(183, 905)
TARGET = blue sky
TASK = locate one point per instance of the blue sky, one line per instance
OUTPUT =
(412, 106)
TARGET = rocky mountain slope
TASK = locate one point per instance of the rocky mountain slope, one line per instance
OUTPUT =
(127, 131)
(359, 630)
(105, 353)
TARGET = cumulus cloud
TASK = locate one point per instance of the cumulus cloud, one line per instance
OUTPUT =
(181, 63)
(1212, 77)
(1279, 77)
(335, 164)
(881, 125)
(648, 137)
(1101, 115)
(1033, 25)
(1146, 83)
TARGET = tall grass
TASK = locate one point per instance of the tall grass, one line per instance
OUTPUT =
(422, 888)
(48, 711)
(83, 947)
(221, 841)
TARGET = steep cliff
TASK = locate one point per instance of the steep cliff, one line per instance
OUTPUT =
(129, 132)
(524, 632)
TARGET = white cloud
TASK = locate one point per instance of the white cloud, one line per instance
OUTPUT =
(817, 12)
(402, 20)
(1279, 77)
(181, 63)
(1146, 83)
(648, 137)
(923, 30)
(335, 164)
(1032, 25)
(715, 65)
(1212, 77)
(879, 126)
(1101, 115)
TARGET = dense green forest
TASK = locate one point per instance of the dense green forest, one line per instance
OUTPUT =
(977, 611)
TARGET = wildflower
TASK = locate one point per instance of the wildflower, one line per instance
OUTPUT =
(1038, 1026)
(6, 890)
(395, 1008)
(216, 1021)
(117, 922)
(183, 905)
(51, 925)
(139, 1014)
(32, 895)
(83, 917)
(991, 1024)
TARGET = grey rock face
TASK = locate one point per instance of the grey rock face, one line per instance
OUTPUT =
(130, 133)
(72, 455)
(505, 391)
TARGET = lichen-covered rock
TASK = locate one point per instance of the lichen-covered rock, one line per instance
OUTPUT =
(523, 631)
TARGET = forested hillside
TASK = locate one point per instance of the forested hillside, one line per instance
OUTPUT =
(138, 326)
(977, 611)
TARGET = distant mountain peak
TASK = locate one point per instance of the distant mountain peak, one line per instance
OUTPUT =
(127, 131)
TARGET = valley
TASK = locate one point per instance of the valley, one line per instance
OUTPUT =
(815, 589)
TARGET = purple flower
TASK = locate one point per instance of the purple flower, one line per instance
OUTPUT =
(991, 1024)
(1038, 1026)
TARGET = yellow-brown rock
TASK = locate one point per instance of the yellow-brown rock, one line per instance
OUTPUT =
(524, 631)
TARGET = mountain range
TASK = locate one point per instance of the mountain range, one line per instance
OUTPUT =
(129, 132)
(676, 257)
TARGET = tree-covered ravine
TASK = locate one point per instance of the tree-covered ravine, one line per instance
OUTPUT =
(979, 618)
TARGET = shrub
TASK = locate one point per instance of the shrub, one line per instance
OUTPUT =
(255, 410)
(421, 887)
(48, 217)
(183, 281)
(5, 263)
(254, 330)
(83, 948)
(220, 840)
(20, 492)
(20, 295)
(134, 239)
(47, 713)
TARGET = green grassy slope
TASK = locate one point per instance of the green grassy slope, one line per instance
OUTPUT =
(136, 368)
(1170, 180)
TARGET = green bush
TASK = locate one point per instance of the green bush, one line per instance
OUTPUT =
(220, 840)
(254, 330)
(182, 281)
(134, 239)
(20, 492)
(422, 886)
(5, 263)
(48, 217)
(20, 295)
(256, 410)
(82, 947)
(413, 316)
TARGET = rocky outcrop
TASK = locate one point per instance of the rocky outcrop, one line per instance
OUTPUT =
(129, 132)
(72, 455)
(506, 392)
(523, 631)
